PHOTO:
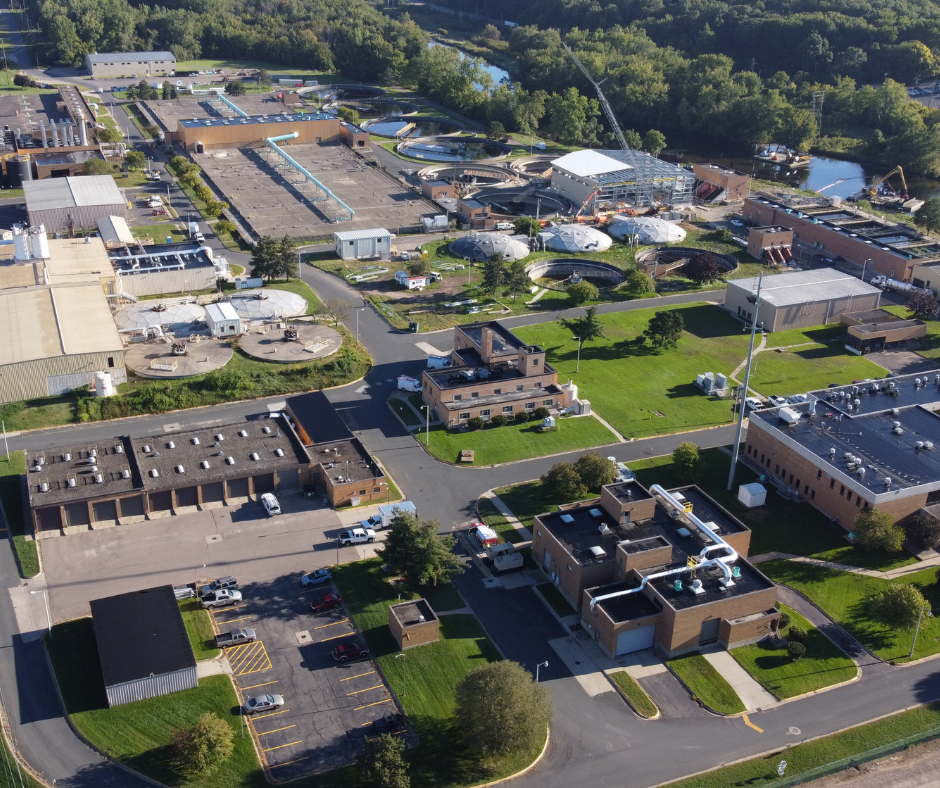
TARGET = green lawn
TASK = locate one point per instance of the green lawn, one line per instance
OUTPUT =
(555, 600)
(490, 515)
(638, 389)
(12, 468)
(819, 752)
(406, 414)
(230, 64)
(493, 445)
(527, 500)
(804, 336)
(140, 734)
(10, 775)
(199, 628)
(442, 757)
(823, 665)
(159, 232)
(634, 694)
(808, 368)
(706, 683)
(843, 596)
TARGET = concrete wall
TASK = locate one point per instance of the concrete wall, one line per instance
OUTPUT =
(83, 217)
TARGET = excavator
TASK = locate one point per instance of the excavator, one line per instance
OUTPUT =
(872, 191)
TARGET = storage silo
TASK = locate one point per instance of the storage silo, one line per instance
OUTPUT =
(21, 250)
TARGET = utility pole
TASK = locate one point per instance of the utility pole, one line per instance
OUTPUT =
(755, 299)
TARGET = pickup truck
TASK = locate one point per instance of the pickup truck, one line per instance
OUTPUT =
(221, 598)
(356, 536)
(235, 637)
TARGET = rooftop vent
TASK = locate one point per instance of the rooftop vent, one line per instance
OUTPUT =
(603, 529)
(118, 448)
(125, 473)
(44, 487)
(254, 456)
(170, 445)
(230, 460)
(67, 456)
(220, 437)
(92, 452)
(154, 472)
(99, 479)
(279, 452)
(928, 445)
(204, 465)
(195, 441)
(243, 433)
(696, 587)
(887, 481)
(180, 469)
(266, 430)
(567, 519)
(145, 448)
(597, 552)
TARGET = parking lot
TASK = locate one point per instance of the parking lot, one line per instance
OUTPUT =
(328, 708)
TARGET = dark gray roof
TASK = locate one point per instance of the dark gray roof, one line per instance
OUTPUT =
(317, 419)
(126, 57)
(349, 458)
(113, 462)
(140, 634)
(293, 117)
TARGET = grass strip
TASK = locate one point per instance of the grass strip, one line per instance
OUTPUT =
(555, 600)
(495, 519)
(12, 468)
(706, 684)
(406, 414)
(199, 628)
(774, 669)
(634, 694)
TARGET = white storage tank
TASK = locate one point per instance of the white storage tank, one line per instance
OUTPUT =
(569, 393)
(752, 494)
(104, 385)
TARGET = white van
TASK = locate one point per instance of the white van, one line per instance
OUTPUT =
(271, 506)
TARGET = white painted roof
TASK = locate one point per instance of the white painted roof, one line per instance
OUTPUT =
(221, 311)
(114, 230)
(54, 193)
(361, 235)
(585, 163)
(801, 287)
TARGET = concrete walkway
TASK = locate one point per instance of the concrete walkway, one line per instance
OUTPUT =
(212, 667)
(506, 512)
(752, 695)
(891, 574)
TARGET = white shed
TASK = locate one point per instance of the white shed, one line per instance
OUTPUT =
(752, 494)
(363, 244)
(223, 320)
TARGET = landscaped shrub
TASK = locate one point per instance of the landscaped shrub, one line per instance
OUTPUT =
(499, 420)
(796, 634)
(521, 417)
(784, 621)
(476, 423)
(542, 413)
(796, 650)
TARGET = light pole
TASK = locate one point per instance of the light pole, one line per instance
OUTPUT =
(404, 674)
(577, 368)
(754, 299)
(337, 551)
(916, 631)
(45, 596)
(427, 424)
(540, 665)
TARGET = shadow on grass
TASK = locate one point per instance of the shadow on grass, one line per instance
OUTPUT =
(827, 351)
(874, 636)
(705, 321)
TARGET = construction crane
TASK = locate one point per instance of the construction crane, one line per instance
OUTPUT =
(605, 105)
(873, 189)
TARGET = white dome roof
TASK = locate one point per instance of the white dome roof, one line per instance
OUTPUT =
(180, 316)
(575, 238)
(480, 247)
(268, 303)
(650, 229)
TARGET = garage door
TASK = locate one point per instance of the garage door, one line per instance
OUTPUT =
(635, 639)
(105, 511)
(132, 507)
(262, 483)
(187, 496)
(76, 513)
(49, 519)
(161, 501)
(212, 493)
(288, 480)
(237, 488)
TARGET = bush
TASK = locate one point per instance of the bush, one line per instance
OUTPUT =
(639, 283)
(784, 621)
(521, 417)
(541, 413)
(899, 606)
(876, 530)
(563, 483)
(476, 423)
(581, 292)
(205, 745)
(796, 650)
(499, 420)
(924, 531)
(796, 634)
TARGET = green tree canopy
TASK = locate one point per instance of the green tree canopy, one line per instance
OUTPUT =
(898, 606)
(923, 305)
(135, 160)
(664, 329)
(236, 88)
(685, 457)
(264, 259)
(586, 328)
(415, 549)
(526, 225)
(383, 764)
(928, 215)
(639, 283)
(876, 530)
(494, 274)
(595, 471)
(563, 483)
(581, 292)
(204, 746)
(702, 268)
(97, 166)
(517, 281)
(924, 531)
(653, 142)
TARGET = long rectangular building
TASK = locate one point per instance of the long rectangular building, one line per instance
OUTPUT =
(126, 64)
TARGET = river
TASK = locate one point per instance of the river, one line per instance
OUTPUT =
(498, 74)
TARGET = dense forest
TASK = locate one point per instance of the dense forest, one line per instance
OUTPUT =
(682, 68)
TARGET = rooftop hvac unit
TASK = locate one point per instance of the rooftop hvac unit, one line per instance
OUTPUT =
(170, 445)
(154, 473)
(70, 482)
(44, 487)
(195, 441)
(928, 445)
(125, 473)
(67, 456)
(696, 587)
(220, 437)
(204, 465)
(99, 479)
(118, 448)
(279, 452)
(603, 529)
(243, 433)
(145, 448)
(861, 471)
(180, 469)
(266, 430)
(597, 552)
(887, 481)
(254, 456)
(229, 460)
(92, 453)
(94, 469)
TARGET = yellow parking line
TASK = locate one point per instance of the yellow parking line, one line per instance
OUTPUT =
(276, 730)
(298, 760)
(263, 716)
(337, 637)
(246, 661)
(324, 626)
(387, 700)
(356, 692)
(265, 664)
(233, 620)
(299, 741)
(751, 724)
(253, 686)
(231, 607)
(244, 653)
(349, 678)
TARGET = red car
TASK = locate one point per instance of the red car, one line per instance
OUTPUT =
(346, 652)
(325, 603)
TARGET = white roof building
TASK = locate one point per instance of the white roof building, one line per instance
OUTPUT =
(76, 203)
(223, 320)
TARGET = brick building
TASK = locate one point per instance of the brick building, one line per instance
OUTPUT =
(718, 183)
(493, 372)
(844, 457)
(413, 623)
(770, 244)
(874, 330)
(623, 542)
(876, 245)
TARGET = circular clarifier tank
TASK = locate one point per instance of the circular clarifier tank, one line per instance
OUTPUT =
(411, 127)
(383, 109)
(453, 149)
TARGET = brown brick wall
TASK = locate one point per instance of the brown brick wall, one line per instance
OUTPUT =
(416, 635)
(739, 632)
(735, 182)
(342, 494)
(642, 509)
(658, 556)
(235, 135)
(605, 630)
(741, 542)
(760, 238)
(571, 583)
(433, 396)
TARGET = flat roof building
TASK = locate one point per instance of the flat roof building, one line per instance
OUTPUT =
(160, 269)
(223, 320)
(126, 64)
(719, 183)
(875, 330)
(142, 645)
(801, 299)
(75, 204)
(363, 244)
(843, 457)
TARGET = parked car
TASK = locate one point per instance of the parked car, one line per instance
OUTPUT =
(270, 503)
(221, 598)
(375, 521)
(356, 536)
(217, 584)
(752, 403)
(317, 578)
(235, 637)
(199, 237)
(390, 723)
(263, 703)
(777, 401)
(324, 603)
(345, 652)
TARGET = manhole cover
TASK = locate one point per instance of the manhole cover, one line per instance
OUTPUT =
(794, 731)
(214, 538)
(303, 637)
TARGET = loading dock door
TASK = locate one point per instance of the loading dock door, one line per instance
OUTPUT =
(76, 514)
(635, 639)
(105, 512)
(709, 633)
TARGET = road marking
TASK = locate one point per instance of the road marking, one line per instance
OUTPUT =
(387, 700)
(356, 692)
(243, 618)
(289, 744)
(324, 626)
(282, 711)
(249, 658)
(286, 727)
(751, 724)
(337, 637)
(276, 765)
(226, 609)
(349, 678)
(253, 686)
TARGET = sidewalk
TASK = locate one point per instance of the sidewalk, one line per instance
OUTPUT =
(507, 513)
(752, 695)
(891, 574)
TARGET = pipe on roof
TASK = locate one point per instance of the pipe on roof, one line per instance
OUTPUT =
(272, 143)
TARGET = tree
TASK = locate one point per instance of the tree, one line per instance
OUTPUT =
(214, 208)
(494, 274)
(205, 745)
(639, 283)
(924, 531)
(415, 549)
(517, 282)
(264, 260)
(383, 764)
(653, 142)
(236, 88)
(225, 227)
(569, 114)
(702, 268)
(349, 114)
(109, 135)
(796, 651)
(664, 329)
(563, 483)
(419, 266)
(923, 305)
(686, 458)
(581, 292)
(135, 160)
(501, 709)
(337, 309)
(586, 328)
(595, 471)
(928, 215)
(21, 80)
(495, 130)
(165, 89)
(796, 634)
(897, 607)
(264, 78)
(97, 167)
(526, 225)
(286, 261)
(491, 33)
(876, 530)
